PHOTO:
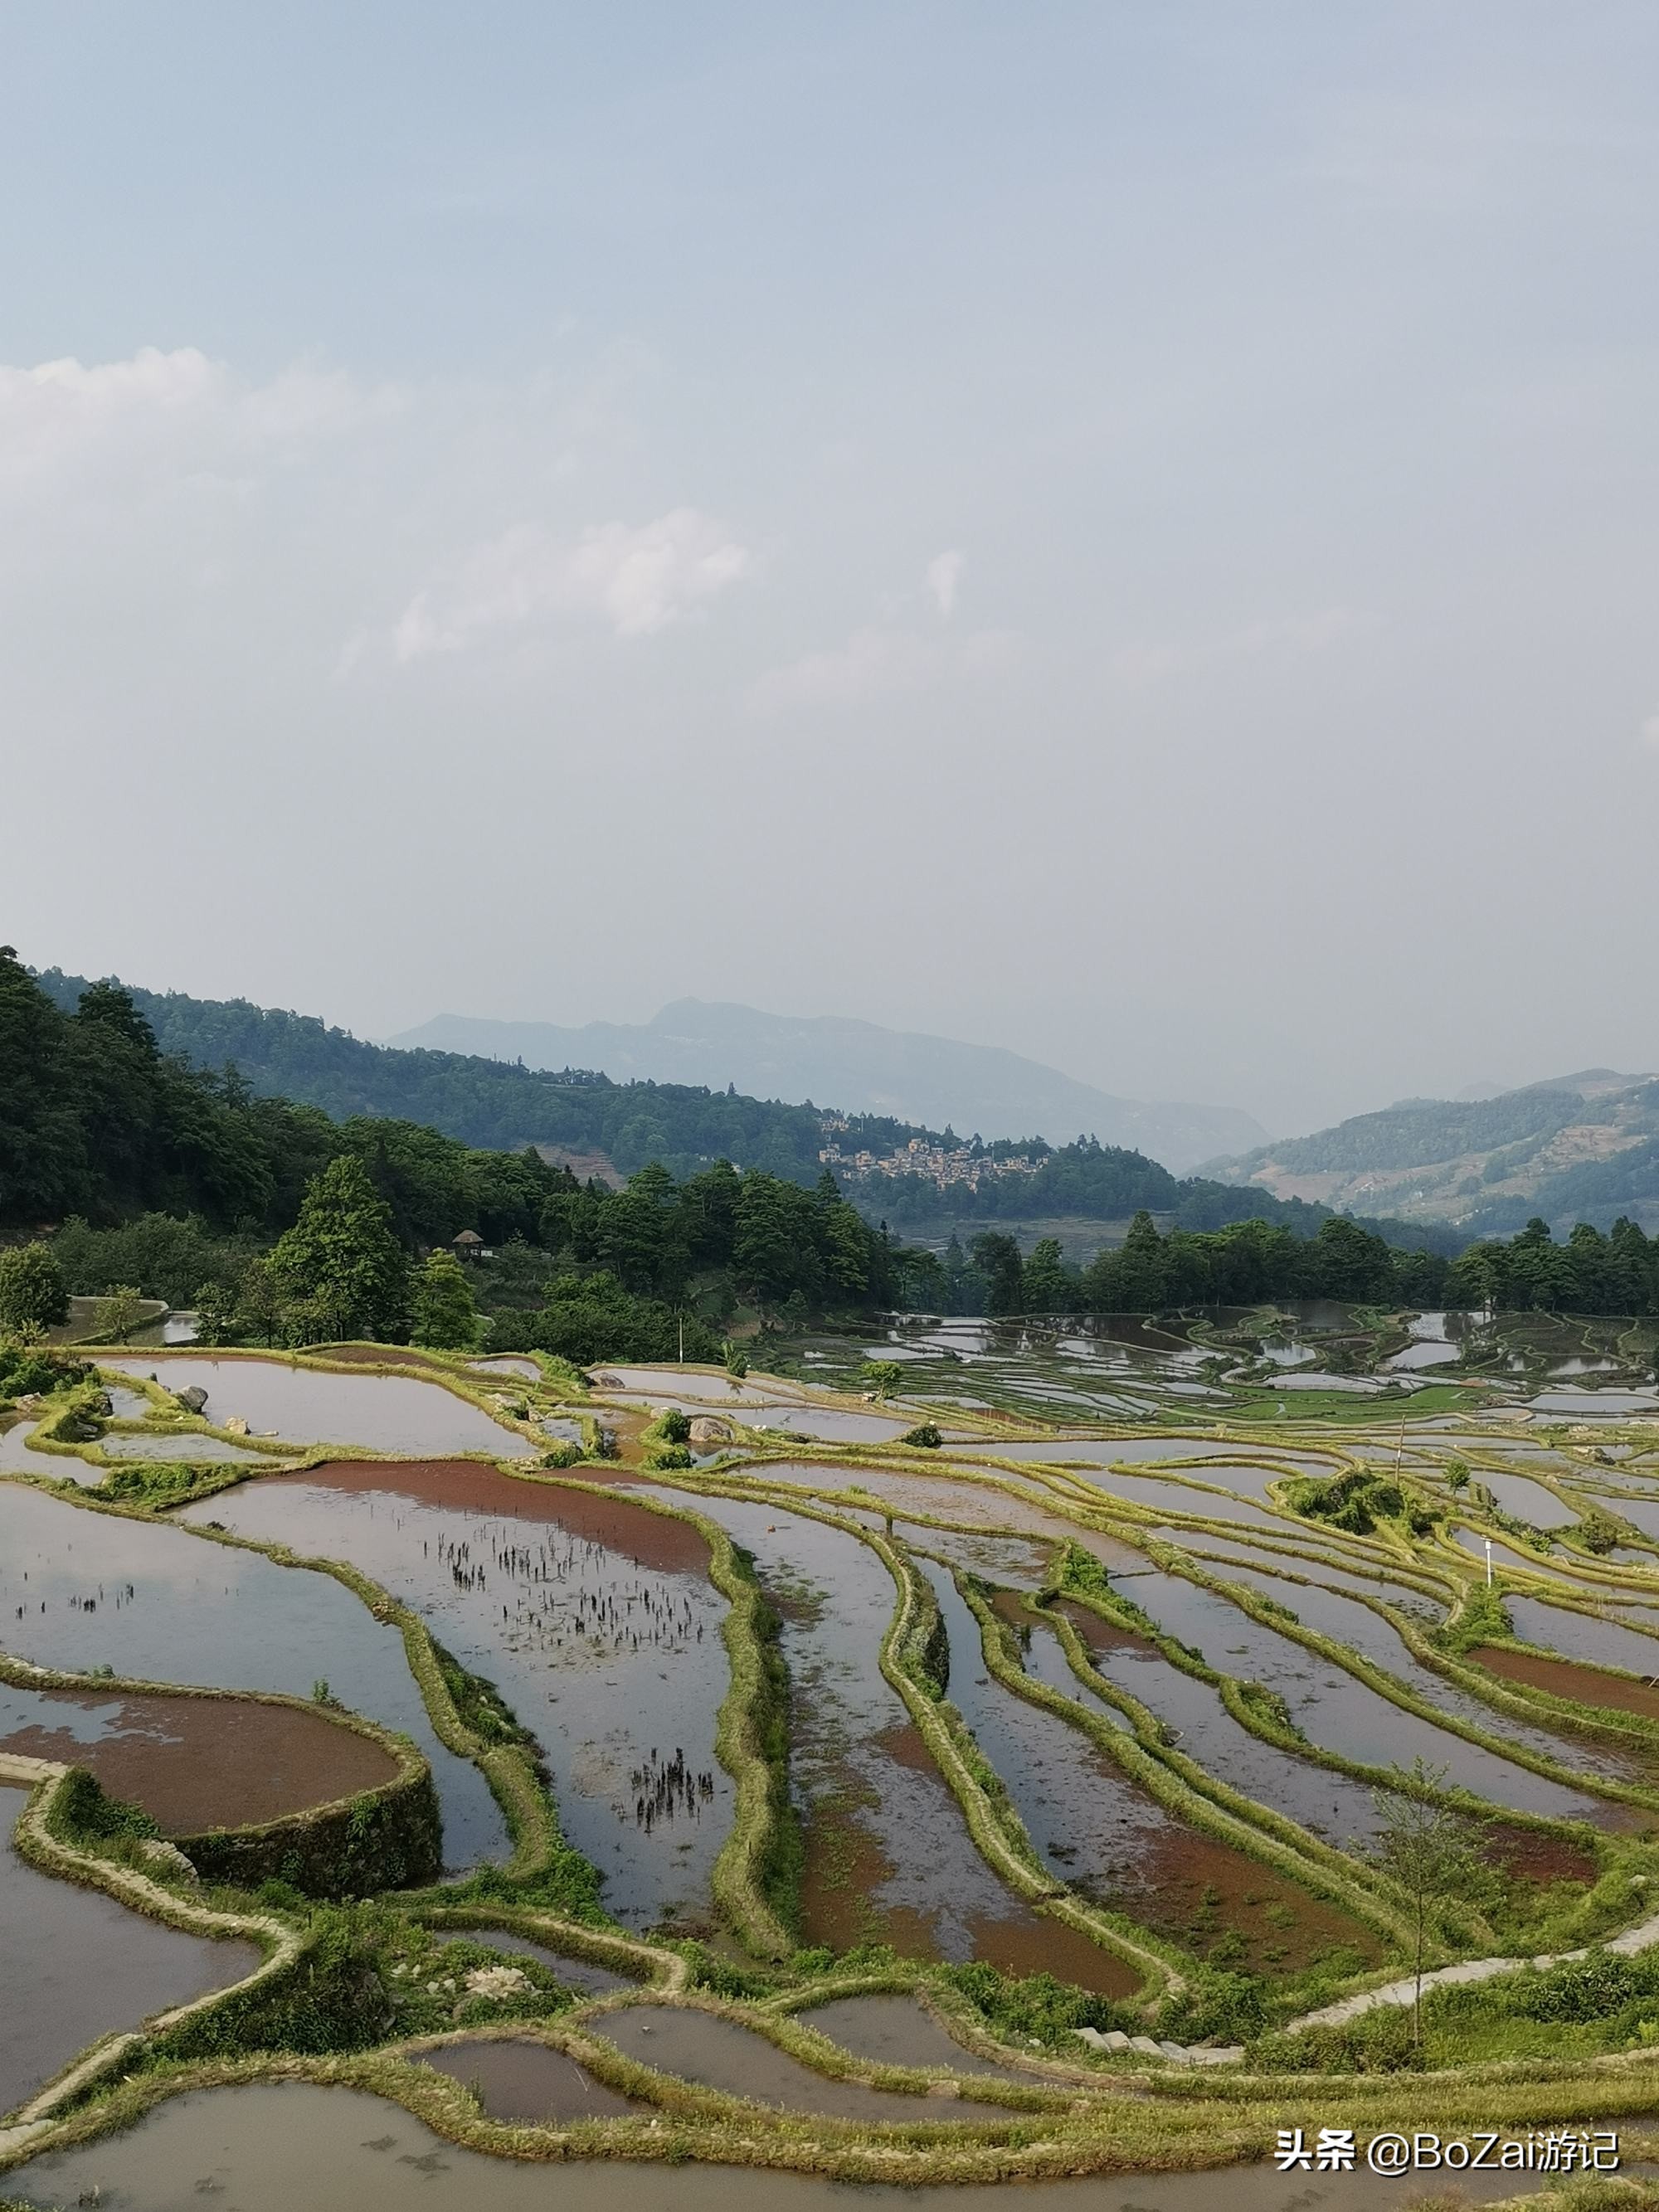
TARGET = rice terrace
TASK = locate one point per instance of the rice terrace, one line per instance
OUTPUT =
(980, 1752)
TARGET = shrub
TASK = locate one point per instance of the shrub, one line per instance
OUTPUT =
(924, 1435)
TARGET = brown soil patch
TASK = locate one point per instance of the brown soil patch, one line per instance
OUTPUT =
(200, 1763)
(845, 1866)
(1566, 1678)
(1100, 1635)
(376, 1355)
(1525, 1855)
(650, 1540)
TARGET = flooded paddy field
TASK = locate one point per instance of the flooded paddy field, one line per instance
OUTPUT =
(1350, 1621)
(1602, 1641)
(1338, 1712)
(595, 1618)
(81, 1589)
(196, 1763)
(271, 2146)
(1332, 1804)
(898, 2031)
(598, 1620)
(309, 1405)
(515, 2079)
(1111, 1840)
(722, 2054)
(78, 1966)
(889, 1857)
(981, 1506)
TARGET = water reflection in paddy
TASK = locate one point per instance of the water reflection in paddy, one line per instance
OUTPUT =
(1113, 1842)
(1353, 1622)
(596, 1619)
(78, 1966)
(1335, 1711)
(898, 2031)
(889, 1857)
(307, 1405)
(517, 2079)
(1604, 1642)
(721, 2054)
(1333, 1805)
(1527, 1501)
(79, 1589)
(271, 2146)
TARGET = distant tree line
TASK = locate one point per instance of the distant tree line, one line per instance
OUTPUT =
(1244, 1264)
(1591, 1272)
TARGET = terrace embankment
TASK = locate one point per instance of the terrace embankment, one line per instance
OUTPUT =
(197, 1763)
(77, 1965)
(594, 1616)
(81, 1590)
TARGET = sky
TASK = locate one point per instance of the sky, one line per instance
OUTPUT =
(1129, 533)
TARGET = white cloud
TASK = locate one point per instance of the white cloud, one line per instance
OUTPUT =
(879, 662)
(944, 577)
(164, 416)
(1650, 731)
(638, 580)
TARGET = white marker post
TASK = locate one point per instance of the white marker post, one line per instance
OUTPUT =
(1488, 1544)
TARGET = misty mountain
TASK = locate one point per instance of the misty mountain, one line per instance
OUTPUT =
(1580, 1148)
(858, 1066)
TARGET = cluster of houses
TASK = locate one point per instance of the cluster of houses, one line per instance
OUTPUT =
(933, 1162)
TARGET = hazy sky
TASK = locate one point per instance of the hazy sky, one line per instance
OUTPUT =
(1128, 531)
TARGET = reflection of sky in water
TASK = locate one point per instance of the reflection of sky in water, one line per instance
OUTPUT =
(79, 1589)
(386, 1413)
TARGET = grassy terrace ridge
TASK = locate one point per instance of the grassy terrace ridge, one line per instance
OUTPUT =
(1075, 2112)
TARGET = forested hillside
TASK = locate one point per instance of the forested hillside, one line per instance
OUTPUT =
(486, 1102)
(491, 1103)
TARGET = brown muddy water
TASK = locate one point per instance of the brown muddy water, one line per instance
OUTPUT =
(197, 1763)
(273, 2147)
(1112, 1841)
(594, 1617)
(721, 2054)
(1563, 1678)
(1337, 1711)
(77, 1965)
(520, 2080)
(899, 2031)
(81, 1590)
(889, 1857)
(309, 1405)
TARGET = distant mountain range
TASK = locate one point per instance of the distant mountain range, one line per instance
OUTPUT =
(1581, 1147)
(857, 1066)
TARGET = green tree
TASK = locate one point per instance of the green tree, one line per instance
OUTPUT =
(120, 1310)
(215, 1313)
(1046, 1286)
(997, 1258)
(1428, 1849)
(32, 1291)
(446, 1316)
(261, 1302)
(883, 1377)
(341, 1260)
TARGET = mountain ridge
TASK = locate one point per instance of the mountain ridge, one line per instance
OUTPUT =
(859, 1066)
(1584, 1146)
